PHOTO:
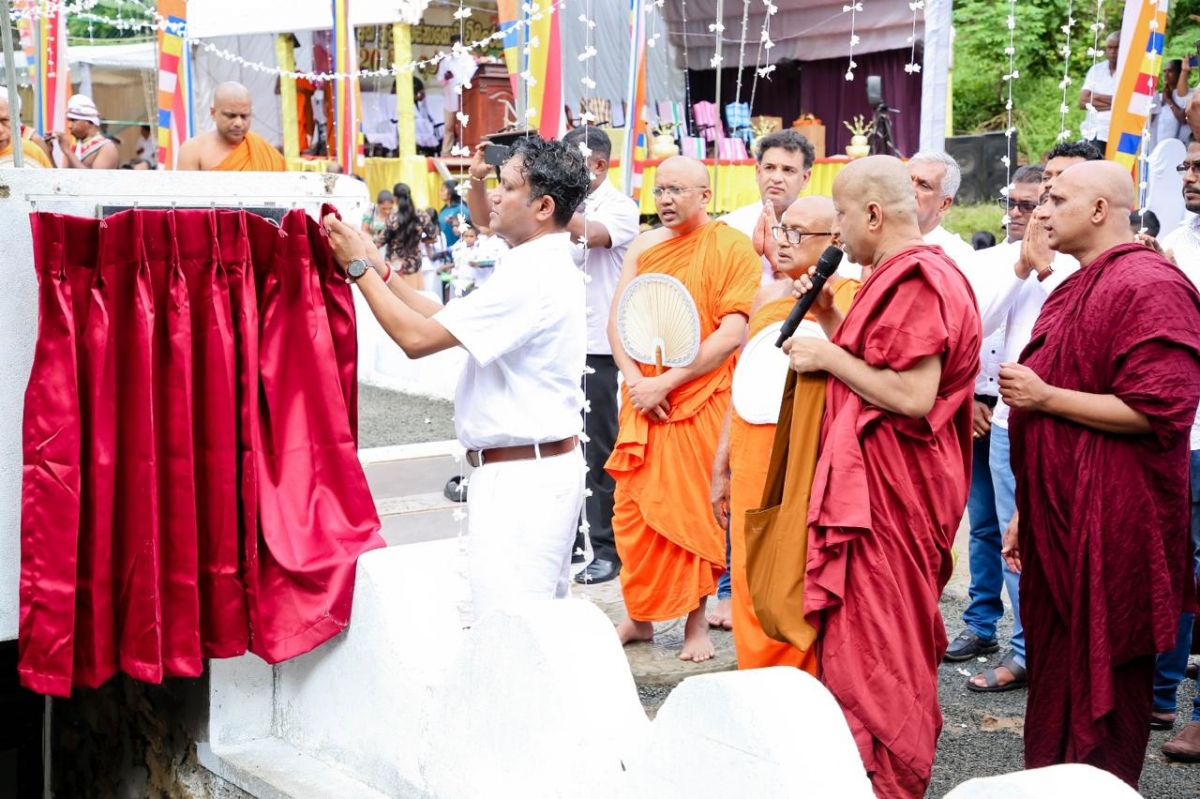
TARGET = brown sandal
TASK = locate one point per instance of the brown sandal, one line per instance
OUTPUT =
(993, 686)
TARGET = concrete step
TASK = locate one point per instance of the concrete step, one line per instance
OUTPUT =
(407, 484)
(417, 518)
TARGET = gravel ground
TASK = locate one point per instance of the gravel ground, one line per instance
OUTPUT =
(981, 735)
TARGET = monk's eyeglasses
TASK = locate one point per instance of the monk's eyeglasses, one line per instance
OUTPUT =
(1188, 166)
(1025, 206)
(674, 191)
(795, 235)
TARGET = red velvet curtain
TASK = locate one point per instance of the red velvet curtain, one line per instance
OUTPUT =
(191, 481)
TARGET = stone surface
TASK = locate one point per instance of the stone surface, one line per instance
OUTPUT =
(766, 732)
(541, 704)
(1047, 783)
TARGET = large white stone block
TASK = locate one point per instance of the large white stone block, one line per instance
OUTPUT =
(765, 732)
(1053, 782)
(542, 705)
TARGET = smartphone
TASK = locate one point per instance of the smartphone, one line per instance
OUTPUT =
(495, 154)
(1194, 61)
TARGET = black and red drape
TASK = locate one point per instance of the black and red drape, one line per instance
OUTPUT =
(191, 482)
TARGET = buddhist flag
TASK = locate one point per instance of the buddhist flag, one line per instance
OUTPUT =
(345, 92)
(545, 108)
(506, 12)
(635, 101)
(44, 40)
(175, 122)
(1138, 67)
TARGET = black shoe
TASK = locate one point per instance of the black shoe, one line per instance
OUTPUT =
(968, 645)
(456, 489)
(598, 571)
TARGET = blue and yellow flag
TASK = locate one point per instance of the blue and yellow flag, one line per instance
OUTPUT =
(1143, 32)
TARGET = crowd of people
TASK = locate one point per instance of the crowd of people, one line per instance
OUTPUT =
(1047, 386)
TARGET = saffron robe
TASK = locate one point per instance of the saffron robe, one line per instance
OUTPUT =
(1104, 517)
(750, 448)
(887, 497)
(672, 550)
(35, 156)
(252, 155)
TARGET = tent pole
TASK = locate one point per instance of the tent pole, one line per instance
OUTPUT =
(717, 150)
(10, 80)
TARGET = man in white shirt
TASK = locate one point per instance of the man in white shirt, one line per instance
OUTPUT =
(455, 71)
(1012, 304)
(785, 160)
(607, 223)
(991, 268)
(1182, 247)
(1099, 86)
(518, 407)
(936, 178)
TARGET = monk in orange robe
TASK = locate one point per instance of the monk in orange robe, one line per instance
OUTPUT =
(744, 452)
(671, 548)
(232, 147)
(34, 155)
(891, 482)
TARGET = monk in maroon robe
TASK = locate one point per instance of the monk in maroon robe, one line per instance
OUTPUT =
(893, 474)
(1102, 404)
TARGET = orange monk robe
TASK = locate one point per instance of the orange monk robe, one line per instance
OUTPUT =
(35, 156)
(672, 551)
(254, 154)
(749, 461)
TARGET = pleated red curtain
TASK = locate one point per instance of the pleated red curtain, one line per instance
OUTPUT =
(191, 481)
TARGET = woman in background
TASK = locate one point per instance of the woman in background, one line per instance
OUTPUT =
(375, 221)
(402, 238)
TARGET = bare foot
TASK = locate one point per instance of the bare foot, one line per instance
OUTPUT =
(629, 631)
(697, 646)
(722, 617)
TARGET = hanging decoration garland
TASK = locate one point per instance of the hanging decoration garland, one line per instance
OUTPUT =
(853, 10)
(1094, 51)
(1009, 78)
(764, 43)
(1065, 83)
(912, 66)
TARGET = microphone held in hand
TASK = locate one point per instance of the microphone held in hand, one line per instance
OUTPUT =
(827, 264)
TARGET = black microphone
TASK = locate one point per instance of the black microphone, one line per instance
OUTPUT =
(827, 264)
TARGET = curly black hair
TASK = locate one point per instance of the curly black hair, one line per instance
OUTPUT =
(402, 232)
(555, 170)
(1076, 149)
(789, 140)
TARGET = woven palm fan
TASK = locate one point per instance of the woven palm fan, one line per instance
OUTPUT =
(658, 322)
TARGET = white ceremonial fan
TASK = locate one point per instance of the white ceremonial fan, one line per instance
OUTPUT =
(658, 322)
(762, 371)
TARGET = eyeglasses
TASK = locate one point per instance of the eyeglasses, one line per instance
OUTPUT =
(674, 191)
(1188, 166)
(794, 235)
(1025, 206)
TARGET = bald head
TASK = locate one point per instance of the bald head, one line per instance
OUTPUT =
(811, 219)
(232, 112)
(876, 207)
(1087, 209)
(681, 193)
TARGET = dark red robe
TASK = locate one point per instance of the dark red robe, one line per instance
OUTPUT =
(1104, 517)
(887, 498)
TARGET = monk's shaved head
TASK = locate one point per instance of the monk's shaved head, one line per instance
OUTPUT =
(232, 112)
(230, 91)
(1087, 209)
(876, 208)
(680, 167)
(681, 193)
(815, 212)
(813, 218)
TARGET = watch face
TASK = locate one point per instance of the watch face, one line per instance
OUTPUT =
(356, 268)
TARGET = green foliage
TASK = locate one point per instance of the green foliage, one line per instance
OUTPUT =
(966, 220)
(121, 13)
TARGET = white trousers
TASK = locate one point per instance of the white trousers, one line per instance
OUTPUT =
(521, 522)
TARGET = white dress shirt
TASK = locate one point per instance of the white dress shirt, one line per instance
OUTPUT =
(526, 333)
(1099, 80)
(1184, 244)
(744, 220)
(974, 263)
(602, 265)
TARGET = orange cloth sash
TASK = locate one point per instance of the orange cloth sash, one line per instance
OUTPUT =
(254, 154)
(35, 156)
(671, 549)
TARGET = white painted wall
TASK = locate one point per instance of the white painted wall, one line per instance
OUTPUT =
(81, 193)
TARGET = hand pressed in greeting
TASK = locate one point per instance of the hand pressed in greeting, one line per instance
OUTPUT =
(649, 397)
(1022, 388)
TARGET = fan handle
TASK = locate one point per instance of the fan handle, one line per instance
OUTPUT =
(658, 360)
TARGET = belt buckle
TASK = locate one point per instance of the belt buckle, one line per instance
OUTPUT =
(475, 457)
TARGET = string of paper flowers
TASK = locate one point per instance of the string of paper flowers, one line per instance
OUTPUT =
(912, 66)
(853, 8)
(1094, 51)
(1009, 78)
(764, 43)
(1065, 83)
